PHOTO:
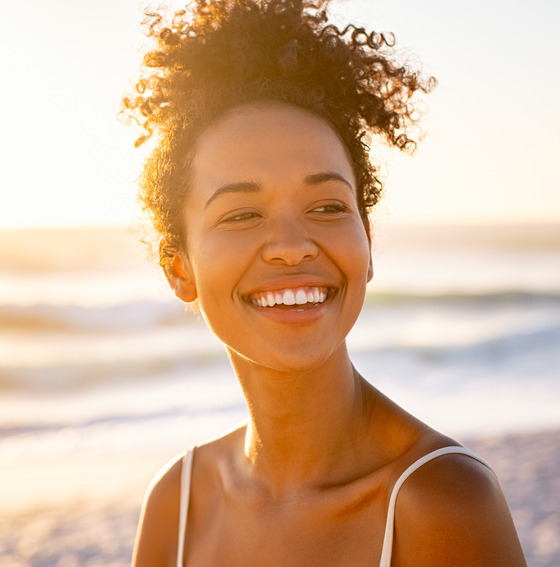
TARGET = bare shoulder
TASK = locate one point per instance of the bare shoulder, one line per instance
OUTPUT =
(452, 511)
(156, 537)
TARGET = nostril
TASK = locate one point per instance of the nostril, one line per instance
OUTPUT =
(290, 250)
(289, 257)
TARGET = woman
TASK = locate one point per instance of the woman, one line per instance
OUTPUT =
(260, 187)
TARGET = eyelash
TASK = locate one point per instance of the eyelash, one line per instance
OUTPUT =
(333, 208)
(247, 215)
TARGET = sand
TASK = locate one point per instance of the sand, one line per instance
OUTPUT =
(528, 467)
(99, 531)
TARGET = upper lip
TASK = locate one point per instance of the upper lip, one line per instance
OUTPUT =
(291, 282)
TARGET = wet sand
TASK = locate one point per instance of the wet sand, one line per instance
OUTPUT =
(99, 531)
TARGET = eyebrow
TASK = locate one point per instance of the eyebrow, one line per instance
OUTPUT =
(240, 187)
(252, 187)
(318, 178)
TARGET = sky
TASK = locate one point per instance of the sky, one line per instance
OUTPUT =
(490, 146)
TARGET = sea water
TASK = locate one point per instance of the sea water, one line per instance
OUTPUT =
(461, 326)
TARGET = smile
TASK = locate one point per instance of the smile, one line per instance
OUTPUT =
(290, 296)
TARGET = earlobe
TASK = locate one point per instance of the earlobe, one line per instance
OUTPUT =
(370, 269)
(180, 278)
(178, 272)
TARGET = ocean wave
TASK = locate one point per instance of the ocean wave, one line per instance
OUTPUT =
(529, 349)
(530, 345)
(112, 420)
(510, 296)
(74, 317)
(79, 375)
(520, 353)
(151, 314)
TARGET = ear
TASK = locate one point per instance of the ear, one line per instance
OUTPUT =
(370, 268)
(370, 264)
(177, 270)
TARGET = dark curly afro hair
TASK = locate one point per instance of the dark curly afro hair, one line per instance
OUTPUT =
(218, 54)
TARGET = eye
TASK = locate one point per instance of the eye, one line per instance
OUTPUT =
(333, 208)
(240, 216)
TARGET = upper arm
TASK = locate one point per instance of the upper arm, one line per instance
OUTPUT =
(156, 538)
(452, 512)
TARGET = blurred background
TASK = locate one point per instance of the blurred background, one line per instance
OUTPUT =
(104, 376)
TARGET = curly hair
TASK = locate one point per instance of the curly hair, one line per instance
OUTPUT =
(219, 54)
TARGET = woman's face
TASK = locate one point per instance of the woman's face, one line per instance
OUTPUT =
(276, 250)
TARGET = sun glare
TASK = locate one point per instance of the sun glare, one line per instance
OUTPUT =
(67, 160)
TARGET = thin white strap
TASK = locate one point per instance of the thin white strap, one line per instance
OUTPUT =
(185, 493)
(389, 526)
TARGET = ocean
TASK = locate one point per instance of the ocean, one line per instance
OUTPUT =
(461, 326)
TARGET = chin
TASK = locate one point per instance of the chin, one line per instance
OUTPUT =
(306, 361)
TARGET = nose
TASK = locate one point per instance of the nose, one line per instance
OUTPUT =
(288, 242)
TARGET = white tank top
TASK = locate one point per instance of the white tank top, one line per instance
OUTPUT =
(389, 526)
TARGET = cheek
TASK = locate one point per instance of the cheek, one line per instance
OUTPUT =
(353, 250)
(218, 263)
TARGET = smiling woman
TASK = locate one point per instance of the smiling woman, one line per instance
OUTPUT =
(289, 199)
(260, 188)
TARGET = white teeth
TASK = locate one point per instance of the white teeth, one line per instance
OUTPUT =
(301, 297)
(289, 297)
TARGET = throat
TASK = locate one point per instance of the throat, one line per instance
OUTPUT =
(307, 432)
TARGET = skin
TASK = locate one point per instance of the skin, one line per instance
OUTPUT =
(306, 481)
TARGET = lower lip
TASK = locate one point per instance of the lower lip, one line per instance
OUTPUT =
(293, 317)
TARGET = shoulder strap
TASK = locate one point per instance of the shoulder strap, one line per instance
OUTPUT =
(186, 473)
(390, 525)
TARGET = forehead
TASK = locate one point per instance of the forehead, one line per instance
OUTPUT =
(266, 142)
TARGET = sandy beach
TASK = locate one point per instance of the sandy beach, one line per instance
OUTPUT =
(97, 527)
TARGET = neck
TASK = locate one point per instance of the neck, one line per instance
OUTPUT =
(305, 427)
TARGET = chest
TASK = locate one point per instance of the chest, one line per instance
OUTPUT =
(340, 529)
